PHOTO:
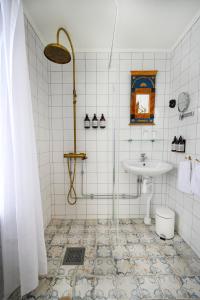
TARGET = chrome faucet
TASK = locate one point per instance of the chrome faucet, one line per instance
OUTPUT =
(143, 157)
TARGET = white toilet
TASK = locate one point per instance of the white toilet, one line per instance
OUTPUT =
(165, 220)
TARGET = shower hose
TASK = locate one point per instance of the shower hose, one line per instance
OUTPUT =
(72, 176)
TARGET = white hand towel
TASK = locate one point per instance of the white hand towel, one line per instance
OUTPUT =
(195, 181)
(184, 176)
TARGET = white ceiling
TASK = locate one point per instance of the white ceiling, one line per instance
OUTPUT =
(142, 24)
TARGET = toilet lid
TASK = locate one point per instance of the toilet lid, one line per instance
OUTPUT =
(165, 212)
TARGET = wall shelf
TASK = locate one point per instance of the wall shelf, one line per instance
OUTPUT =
(143, 140)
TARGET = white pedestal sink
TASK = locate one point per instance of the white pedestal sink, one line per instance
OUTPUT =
(151, 168)
(147, 169)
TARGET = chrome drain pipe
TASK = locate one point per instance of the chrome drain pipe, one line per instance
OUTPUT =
(109, 195)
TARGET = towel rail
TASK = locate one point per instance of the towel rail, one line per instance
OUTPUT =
(190, 158)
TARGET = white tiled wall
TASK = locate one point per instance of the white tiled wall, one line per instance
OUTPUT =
(108, 91)
(185, 77)
(105, 91)
(39, 91)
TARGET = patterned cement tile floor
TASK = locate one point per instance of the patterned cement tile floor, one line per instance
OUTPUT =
(124, 262)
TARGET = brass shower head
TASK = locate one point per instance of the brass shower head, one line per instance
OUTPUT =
(57, 53)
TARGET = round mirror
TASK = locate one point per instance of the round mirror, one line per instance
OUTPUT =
(183, 102)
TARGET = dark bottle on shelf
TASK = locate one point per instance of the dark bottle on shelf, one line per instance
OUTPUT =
(176, 145)
(173, 146)
(102, 122)
(86, 122)
(181, 144)
(95, 121)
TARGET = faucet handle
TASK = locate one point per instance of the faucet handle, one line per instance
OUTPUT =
(142, 154)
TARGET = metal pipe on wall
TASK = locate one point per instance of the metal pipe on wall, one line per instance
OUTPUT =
(109, 195)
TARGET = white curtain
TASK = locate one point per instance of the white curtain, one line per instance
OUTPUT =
(23, 247)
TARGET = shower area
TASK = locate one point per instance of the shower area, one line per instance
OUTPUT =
(85, 193)
(88, 181)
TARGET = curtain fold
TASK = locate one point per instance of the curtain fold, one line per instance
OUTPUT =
(23, 247)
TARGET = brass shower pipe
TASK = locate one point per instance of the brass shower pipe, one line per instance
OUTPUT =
(59, 54)
(74, 154)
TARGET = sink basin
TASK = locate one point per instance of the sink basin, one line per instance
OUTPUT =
(151, 168)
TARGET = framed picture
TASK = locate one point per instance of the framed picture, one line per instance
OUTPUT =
(142, 104)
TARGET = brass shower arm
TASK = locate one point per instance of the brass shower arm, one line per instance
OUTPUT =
(74, 78)
(73, 57)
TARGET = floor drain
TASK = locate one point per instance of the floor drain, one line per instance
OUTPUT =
(74, 256)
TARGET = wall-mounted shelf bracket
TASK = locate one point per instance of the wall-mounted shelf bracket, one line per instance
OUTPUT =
(185, 115)
(143, 140)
